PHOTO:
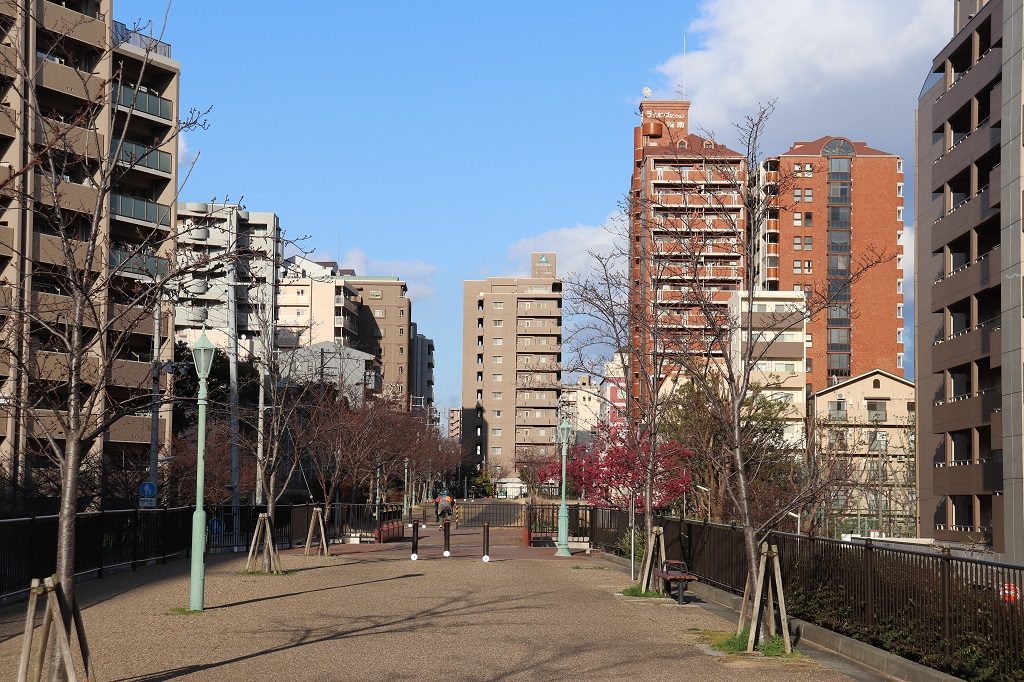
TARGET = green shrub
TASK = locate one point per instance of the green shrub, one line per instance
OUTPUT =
(634, 590)
(622, 548)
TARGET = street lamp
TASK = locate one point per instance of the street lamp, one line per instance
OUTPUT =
(202, 353)
(564, 433)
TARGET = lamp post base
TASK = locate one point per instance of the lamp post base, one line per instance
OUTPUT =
(563, 531)
(197, 578)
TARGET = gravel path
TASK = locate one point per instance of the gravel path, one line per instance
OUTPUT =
(370, 613)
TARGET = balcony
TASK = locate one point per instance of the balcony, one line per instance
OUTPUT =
(877, 415)
(50, 249)
(968, 82)
(64, 136)
(142, 210)
(970, 477)
(143, 102)
(64, 194)
(126, 36)
(965, 411)
(981, 273)
(966, 150)
(130, 262)
(838, 415)
(67, 80)
(965, 215)
(143, 156)
(67, 22)
(982, 340)
(6, 242)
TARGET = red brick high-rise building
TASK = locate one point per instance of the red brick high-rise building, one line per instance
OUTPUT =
(687, 225)
(840, 205)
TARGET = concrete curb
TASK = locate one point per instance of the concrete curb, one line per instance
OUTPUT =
(871, 657)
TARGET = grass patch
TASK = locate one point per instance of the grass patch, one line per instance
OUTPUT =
(635, 590)
(182, 611)
(737, 644)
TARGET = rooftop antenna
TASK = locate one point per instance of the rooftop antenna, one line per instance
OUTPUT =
(647, 93)
(684, 66)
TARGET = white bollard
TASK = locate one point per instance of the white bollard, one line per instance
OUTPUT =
(414, 556)
(447, 553)
(486, 558)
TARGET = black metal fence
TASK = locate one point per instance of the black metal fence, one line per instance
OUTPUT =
(960, 615)
(543, 522)
(496, 514)
(110, 540)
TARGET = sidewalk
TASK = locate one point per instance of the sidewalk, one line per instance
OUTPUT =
(370, 613)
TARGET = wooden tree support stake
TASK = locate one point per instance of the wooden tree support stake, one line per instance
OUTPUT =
(316, 523)
(55, 612)
(655, 546)
(767, 587)
(263, 543)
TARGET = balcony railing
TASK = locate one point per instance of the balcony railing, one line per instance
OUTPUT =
(146, 102)
(837, 414)
(140, 209)
(993, 322)
(968, 264)
(142, 155)
(877, 415)
(123, 34)
(131, 261)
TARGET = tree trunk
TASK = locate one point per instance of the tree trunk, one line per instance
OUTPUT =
(66, 520)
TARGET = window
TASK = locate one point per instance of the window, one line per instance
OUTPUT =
(499, 323)
(378, 312)
(401, 312)
(899, 165)
(497, 377)
(899, 360)
(808, 266)
(808, 218)
(877, 440)
(808, 195)
(496, 450)
(798, 195)
(899, 335)
(479, 359)
(498, 305)
(810, 366)
(497, 341)
(300, 313)
(797, 243)
(899, 286)
(837, 440)
(809, 339)
(479, 395)
(479, 377)
(899, 310)
(497, 414)
(798, 219)
(497, 359)
(300, 292)
(808, 243)
(839, 340)
(497, 395)
(375, 294)
(899, 213)
(797, 267)
(496, 431)
(899, 189)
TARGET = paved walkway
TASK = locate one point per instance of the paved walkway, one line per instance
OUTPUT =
(370, 613)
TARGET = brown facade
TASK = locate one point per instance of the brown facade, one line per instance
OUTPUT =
(840, 208)
(968, 296)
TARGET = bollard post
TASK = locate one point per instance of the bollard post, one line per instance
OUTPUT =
(423, 522)
(487, 542)
(415, 542)
(447, 537)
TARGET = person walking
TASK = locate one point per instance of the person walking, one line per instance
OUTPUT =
(445, 502)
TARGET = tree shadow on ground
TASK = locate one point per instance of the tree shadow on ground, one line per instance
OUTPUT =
(316, 589)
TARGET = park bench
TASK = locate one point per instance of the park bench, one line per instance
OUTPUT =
(674, 571)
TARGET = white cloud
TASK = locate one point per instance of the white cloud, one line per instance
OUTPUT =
(842, 67)
(418, 274)
(571, 245)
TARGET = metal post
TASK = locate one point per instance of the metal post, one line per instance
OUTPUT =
(154, 416)
(487, 541)
(447, 537)
(197, 576)
(563, 510)
(405, 490)
(415, 542)
(632, 537)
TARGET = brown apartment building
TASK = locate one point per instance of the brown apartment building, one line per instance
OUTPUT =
(84, 69)
(840, 204)
(968, 287)
(686, 227)
(511, 369)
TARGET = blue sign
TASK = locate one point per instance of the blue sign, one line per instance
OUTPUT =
(216, 526)
(147, 489)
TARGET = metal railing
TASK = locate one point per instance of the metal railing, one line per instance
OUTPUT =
(140, 209)
(133, 153)
(146, 102)
(126, 538)
(123, 34)
(959, 615)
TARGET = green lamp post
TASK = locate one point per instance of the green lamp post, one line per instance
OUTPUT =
(564, 434)
(202, 354)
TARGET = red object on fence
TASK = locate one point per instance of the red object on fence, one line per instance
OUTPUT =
(1009, 593)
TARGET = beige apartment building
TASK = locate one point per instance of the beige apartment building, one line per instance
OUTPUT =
(969, 332)
(778, 326)
(319, 302)
(92, 81)
(581, 402)
(864, 426)
(235, 301)
(511, 368)
(455, 424)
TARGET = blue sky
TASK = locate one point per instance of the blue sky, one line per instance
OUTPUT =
(442, 141)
